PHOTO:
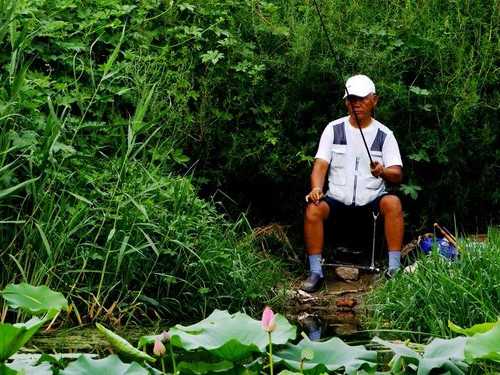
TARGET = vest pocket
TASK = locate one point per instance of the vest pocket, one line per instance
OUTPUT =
(338, 176)
(338, 155)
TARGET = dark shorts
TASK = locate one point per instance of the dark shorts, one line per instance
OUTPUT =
(337, 206)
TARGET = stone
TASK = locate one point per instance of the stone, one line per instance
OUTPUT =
(346, 302)
(347, 273)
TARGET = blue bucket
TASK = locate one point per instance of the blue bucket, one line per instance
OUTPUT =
(446, 249)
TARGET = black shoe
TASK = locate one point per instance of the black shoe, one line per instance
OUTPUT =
(312, 283)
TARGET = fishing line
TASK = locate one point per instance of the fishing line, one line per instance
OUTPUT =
(325, 31)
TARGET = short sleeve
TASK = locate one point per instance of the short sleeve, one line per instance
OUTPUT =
(390, 152)
(325, 144)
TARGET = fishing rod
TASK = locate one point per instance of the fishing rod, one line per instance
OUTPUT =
(345, 86)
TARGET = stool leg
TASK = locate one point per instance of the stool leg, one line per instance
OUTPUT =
(375, 216)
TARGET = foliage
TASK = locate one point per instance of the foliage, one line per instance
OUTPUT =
(123, 347)
(14, 336)
(471, 331)
(242, 345)
(447, 355)
(203, 355)
(110, 365)
(95, 112)
(102, 104)
(330, 355)
(451, 354)
(464, 291)
(230, 337)
(484, 345)
(35, 300)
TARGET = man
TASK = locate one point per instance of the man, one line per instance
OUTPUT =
(352, 180)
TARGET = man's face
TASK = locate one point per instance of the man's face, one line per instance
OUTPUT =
(362, 106)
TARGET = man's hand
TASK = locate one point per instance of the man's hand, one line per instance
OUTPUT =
(314, 196)
(377, 169)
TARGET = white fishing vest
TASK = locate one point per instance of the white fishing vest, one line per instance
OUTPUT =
(350, 180)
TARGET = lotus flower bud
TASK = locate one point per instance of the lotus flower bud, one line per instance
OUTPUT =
(159, 349)
(268, 320)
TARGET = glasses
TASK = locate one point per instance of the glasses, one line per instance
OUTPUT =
(354, 98)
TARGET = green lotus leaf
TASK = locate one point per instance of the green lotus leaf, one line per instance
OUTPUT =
(4, 370)
(484, 345)
(230, 337)
(110, 365)
(471, 331)
(25, 368)
(330, 355)
(441, 354)
(201, 368)
(14, 336)
(444, 354)
(123, 347)
(34, 299)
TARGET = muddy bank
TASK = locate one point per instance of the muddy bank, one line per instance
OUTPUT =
(337, 309)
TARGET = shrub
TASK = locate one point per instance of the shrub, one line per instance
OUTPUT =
(465, 291)
(140, 242)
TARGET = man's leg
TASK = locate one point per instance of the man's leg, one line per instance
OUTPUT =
(392, 211)
(314, 218)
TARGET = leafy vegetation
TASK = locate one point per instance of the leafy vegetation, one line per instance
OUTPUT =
(96, 105)
(103, 105)
(236, 343)
(464, 291)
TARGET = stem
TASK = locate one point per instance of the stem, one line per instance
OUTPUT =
(271, 369)
(163, 365)
(172, 356)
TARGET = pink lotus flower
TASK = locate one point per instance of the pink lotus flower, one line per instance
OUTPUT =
(159, 349)
(268, 320)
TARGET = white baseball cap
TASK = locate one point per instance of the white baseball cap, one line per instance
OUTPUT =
(359, 85)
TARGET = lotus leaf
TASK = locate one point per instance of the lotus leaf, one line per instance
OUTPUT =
(25, 368)
(330, 355)
(123, 347)
(200, 368)
(4, 370)
(14, 336)
(471, 331)
(230, 337)
(110, 365)
(484, 345)
(442, 354)
(34, 299)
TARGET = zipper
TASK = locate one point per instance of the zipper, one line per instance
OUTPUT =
(355, 181)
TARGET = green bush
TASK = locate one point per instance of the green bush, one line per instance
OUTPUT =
(236, 91)
(465, 292)
(143, 241)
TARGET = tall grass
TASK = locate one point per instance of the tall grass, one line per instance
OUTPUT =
(92, 115)
(466, 292)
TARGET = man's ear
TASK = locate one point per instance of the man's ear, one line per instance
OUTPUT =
(375, 100)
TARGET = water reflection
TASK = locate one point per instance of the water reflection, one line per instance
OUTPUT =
(313, 327)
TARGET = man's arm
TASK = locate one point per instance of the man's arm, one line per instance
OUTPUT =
(392, 174)
(317, 180)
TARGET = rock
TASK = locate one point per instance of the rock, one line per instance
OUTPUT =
(346, 302)
(347, 273)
